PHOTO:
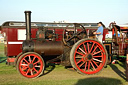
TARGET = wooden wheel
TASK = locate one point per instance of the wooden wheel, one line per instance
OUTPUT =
(88, 56)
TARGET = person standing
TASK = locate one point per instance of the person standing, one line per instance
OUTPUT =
(99, 31)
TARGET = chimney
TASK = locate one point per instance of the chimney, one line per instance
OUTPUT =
(28, 24)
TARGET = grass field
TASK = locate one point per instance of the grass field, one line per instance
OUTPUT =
(114, 74)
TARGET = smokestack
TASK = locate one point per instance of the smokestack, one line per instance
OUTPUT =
(28, 24)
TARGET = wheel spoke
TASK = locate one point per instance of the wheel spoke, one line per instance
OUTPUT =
(92, 65)
(85, 66)
(97, 52)
(24, 68)
(79, 61)
(79, 53)
(88, 65)
(95, 63)
(97, 60)
(35, 70)
(97, 56)
(82, 50)
(95, 48)
(26, 61)
(29, 59)
(81, 64)
(24, 64)
(78, 57)
(36, 62)
(37, 66)
(70, 39)
(80, 32)
(85, 48)
(92, 47)
(33, 59)
(31, 72)
(88, 47)
(27, 71)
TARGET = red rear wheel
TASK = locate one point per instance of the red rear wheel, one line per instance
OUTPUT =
(30, 65)
(88, 56)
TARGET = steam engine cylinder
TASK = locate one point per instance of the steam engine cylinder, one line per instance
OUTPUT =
(45, 48)
(49, 48)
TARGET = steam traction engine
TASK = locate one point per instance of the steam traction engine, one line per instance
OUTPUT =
(87, 56)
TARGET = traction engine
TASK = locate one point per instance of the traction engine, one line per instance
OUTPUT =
(85, 55)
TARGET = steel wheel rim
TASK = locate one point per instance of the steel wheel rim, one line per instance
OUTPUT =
(17, 57)
(31, 65)
(88, 65)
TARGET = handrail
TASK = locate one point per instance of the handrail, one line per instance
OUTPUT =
(46, 24)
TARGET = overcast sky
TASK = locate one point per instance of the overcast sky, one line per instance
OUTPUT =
(86, 11)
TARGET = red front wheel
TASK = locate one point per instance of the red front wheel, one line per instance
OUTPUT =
(30, 65)
(88, 56)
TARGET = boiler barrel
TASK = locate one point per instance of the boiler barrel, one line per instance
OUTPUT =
(49, 48)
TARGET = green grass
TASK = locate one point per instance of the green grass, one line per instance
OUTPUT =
(2, 56)
(1, 46)
(112, 75)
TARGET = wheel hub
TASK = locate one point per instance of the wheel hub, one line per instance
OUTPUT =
(89, 56)
(31, 65)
